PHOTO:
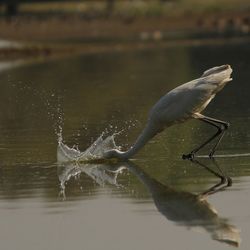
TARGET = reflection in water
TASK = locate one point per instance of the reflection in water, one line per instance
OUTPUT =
(226, 181)
(100, 173)
(184, 208)
(188, 209)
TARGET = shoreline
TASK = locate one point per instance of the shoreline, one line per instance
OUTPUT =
(70, 35)
(52, 52)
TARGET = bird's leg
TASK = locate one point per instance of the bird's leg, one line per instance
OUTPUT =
(216, 144)
(194, 151)
(221, 127)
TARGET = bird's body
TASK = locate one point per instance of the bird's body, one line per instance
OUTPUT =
(180, 104)
(189, 99)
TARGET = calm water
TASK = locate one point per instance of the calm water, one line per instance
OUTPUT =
(149, 203)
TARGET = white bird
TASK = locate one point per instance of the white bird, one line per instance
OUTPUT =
(180, 104)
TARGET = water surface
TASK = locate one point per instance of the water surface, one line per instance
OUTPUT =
(148, 203)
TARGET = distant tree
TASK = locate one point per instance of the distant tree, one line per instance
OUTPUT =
(11, 8)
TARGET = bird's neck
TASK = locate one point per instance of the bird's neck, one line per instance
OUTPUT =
(148, 133)
(162, 194)
(150, 183)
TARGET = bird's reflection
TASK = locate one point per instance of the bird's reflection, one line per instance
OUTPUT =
(183, 208)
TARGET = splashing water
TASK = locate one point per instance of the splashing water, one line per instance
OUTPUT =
(99, 173)
(72, 162)
(92, 154)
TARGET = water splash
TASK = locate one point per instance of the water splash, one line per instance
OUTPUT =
(92, 154)
(72, 162)
(53, 104)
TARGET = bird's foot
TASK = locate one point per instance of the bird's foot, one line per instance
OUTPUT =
(229, 181)
(223, 179)
(188, 156)
(211, 154)
(226, 180)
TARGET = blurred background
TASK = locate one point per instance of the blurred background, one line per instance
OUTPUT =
(53, 26)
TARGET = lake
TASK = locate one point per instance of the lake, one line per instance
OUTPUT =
(151, 202)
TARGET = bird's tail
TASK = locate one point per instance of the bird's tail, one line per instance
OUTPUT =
(224, 70)
(218, 76)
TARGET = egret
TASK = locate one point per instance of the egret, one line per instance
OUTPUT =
(181, 104)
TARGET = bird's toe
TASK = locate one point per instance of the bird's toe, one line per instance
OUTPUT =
(211, 155)
(188, 156)
(229, 181)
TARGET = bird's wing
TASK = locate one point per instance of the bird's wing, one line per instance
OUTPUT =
(192, 97)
